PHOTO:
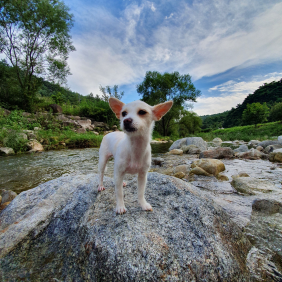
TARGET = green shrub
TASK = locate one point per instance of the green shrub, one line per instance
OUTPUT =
(15, 141)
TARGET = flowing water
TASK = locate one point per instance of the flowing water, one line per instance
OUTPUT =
(26, 171)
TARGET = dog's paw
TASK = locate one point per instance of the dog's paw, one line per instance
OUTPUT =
(101, 188)
(124, 183)
(146, 207)
(120, 209)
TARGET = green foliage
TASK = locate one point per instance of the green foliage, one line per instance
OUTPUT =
(269, 93)
(158, 88)
(14, 140)
(107, 92)
(255, 113)
(34, 36)
(214, 121)
(276, 112)
(189, 123)
(58, 98)
(246, 133)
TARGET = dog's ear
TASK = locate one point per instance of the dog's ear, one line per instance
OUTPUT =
(161, 109)
(116, 105)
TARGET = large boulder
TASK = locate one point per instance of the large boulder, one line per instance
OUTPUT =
(271, 148)
(252, 186)
(86, 124)
(64, 230)
(252, 154)
(218, 153)
(56, 108)
(209, 166)
(280, 139)
(266, 143)
(197, 141)
(217, 141)
(241, 149)
(264, 231)
(276, 156)
(190, 149)
(6, 151)
(35, 146)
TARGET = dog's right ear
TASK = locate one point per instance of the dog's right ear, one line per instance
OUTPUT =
(116, 105)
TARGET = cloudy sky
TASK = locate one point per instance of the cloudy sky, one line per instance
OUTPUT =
(229, 47)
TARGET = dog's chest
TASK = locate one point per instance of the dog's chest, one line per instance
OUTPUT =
(133, 167)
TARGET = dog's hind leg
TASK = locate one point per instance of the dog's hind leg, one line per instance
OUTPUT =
(104, 155)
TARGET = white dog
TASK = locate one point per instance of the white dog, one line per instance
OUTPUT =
(131, 149)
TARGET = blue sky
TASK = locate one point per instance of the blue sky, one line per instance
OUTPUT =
(229, 47)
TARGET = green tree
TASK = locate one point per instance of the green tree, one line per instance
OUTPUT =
(158, 88)
(34, 37)
(58, 98)
(276, 112)
(255, 113)
(189, 123)
(107, 92)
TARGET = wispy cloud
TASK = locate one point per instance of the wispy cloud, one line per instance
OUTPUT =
(231, 93)
(203, 38)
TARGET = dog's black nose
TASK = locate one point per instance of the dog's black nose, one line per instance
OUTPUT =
(127, 121)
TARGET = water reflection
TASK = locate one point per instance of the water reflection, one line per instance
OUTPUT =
(23, 172)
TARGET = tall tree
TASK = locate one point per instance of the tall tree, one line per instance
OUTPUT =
(107, 92)
(189, 123)
(255, 113)
(34, 37)
(158, 88)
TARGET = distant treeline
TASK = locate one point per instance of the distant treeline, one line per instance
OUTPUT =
(269, 93)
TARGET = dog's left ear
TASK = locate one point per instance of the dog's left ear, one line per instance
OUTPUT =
(116, 105)
(161, 109)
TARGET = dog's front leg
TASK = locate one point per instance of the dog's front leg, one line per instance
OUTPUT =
(142, 180)
(120, 208)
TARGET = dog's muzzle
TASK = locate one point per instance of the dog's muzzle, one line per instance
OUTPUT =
(127, 123)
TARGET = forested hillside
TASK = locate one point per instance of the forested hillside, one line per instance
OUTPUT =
(269, 93)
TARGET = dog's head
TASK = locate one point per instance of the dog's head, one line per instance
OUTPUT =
(138, 117)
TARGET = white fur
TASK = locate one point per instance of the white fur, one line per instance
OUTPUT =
(131, 150)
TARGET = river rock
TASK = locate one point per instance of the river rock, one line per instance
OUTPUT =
(218, 153)
(6, 151)
(7, 196)
(254, 142)
(197, 141)
(175, 152)
(259, 148)
(242, 148)
(35, 146)
(252, 154)
(252, 186)
(264, 231)
(190, 149)
(56, 108)
(280, 139)
(65, 230)
(217, 142)
(86, 124)
(102, 125)
(276, 156)
(210, 166)
(266, 143)
(271, 148)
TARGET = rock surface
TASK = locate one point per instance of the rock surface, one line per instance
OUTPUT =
(276, 156)
(64, 230)
(242, 148)
(6, 151)
(35, 146)
(190, 149)
(56, 108)
(252, 154)
(197, 141)
(210, 166)
(175, 152)
(7, 196)
(266, 143)
(218, 153)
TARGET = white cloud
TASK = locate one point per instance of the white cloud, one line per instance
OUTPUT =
(232, 93)
(202, 39)
(169, 17)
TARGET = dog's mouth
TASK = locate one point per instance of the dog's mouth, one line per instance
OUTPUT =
(129, 128)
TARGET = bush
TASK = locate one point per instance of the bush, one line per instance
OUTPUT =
(14, 140)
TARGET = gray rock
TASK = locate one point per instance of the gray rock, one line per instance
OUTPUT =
(6, 151)
(56, 108)
(264, 231)
(218, 153)
(252, 186)
(252, 154)
(266, 143)
(197, 141)
(102, 125)
(271, 148)
(217, 142)
(65, 231)
(190, 149)
(8, 196)
(86, 124)
(280, 139)
(276, 156)
(242, 148)
(22, 136)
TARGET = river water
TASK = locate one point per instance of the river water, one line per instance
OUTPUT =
(26, 171)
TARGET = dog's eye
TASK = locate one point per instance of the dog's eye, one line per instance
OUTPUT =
(124, 113)
(142, 113)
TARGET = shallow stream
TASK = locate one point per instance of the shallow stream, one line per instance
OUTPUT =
(26, 171)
